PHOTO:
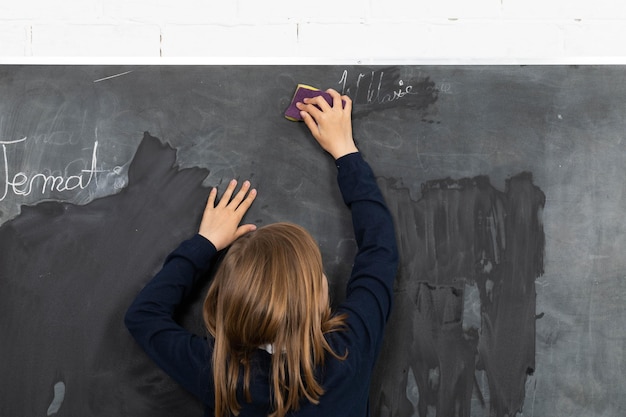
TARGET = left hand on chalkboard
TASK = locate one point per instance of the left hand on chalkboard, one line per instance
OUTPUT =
(220, 223)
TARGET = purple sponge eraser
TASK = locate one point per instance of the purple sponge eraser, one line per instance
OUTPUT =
(305, 91)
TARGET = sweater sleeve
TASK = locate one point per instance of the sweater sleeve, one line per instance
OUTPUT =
(181, 354)
(369, 292)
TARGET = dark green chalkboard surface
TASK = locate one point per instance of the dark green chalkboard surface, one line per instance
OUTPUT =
(506, 184)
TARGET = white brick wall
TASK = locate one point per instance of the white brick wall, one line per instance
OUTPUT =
(349, 30)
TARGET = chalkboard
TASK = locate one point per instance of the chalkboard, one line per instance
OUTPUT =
(505, 183)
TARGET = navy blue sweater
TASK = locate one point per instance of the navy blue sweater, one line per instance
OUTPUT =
(187, 357)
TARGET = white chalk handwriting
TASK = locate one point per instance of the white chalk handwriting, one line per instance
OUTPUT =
(23, 184)
(376, 89)
(374, 82)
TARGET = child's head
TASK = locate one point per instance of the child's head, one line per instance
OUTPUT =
(269, 285)
(270, 289)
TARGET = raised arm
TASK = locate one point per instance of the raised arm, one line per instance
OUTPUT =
(149, 319)
(370, 288)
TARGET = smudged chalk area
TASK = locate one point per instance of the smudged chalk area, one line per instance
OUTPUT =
(57, 400)
(68, 273)
(463, 329)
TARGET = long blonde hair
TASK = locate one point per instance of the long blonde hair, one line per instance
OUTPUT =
(269, 290)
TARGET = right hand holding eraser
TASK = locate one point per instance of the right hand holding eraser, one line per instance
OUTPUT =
(330, 125)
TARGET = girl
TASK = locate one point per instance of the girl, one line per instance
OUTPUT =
(274, 347)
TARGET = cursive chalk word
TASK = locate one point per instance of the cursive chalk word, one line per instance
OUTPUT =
(377, 90)
(23, 184)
